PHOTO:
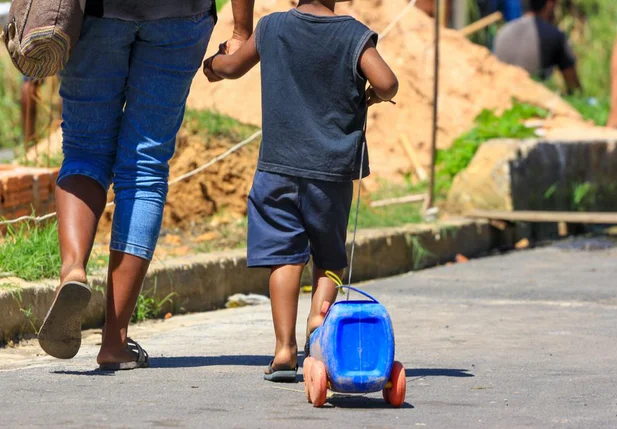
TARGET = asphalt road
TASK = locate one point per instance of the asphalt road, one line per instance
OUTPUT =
(523, 340)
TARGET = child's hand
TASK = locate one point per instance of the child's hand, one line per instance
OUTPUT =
(371, 97)
(226, 65)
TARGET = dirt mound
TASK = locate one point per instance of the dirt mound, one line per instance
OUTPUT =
(471, 79)
(221, 189)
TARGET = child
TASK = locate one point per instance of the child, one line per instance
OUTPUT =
(314, 68)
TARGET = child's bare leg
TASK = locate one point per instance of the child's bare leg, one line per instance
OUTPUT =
(324, 289)
(284, 291)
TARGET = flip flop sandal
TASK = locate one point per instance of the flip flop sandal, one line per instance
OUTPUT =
(141, 359)
(60, 334)
(284, 375)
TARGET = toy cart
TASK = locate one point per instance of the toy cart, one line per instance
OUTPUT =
(353, 352)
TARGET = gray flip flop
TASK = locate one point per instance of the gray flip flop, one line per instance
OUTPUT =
(285, 375)
(141, 359)
(60, 334)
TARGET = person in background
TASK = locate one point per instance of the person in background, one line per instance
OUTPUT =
(612, 117)
(534, 43)
(29, 96)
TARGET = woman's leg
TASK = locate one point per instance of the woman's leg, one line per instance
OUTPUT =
(164, 60)
(80, 201)
(92, 91)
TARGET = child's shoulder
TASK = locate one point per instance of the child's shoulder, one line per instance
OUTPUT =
(274, 16)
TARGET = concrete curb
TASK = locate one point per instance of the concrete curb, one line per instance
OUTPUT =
(203, 282)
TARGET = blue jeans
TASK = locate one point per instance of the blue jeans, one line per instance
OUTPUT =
(124, 93)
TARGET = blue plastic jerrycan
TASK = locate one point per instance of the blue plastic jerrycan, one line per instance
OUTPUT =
(356, 344)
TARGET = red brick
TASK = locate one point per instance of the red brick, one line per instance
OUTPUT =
(44, 195)
(44, 179)
(14, 199)
(17, 182)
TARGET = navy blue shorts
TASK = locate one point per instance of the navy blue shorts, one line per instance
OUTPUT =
(290, 218)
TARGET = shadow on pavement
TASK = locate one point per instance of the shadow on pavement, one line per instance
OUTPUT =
(91, 372)
(196, 361)
(186, 362)
(437, 372)
(361, 402)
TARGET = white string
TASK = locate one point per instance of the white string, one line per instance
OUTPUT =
(396, 20)
(355, 227)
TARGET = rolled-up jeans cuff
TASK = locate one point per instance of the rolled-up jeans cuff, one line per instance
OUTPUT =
(131, 249)
(66, 172)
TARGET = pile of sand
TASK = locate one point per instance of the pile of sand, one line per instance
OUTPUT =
(471, 80)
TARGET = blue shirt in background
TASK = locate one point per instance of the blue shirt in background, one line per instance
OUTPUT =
(511, 9)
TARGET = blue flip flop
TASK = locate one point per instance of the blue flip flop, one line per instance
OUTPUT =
(284, 375)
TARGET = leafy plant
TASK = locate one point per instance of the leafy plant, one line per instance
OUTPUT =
(419, 252)
(149, 306)
(488, 125)
(27, 312)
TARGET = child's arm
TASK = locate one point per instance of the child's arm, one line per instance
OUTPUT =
(384, 84)
(236, 65)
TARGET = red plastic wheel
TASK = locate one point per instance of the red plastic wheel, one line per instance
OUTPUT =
(396, 394)
(319, 383)
(306, 369)
(386, 394)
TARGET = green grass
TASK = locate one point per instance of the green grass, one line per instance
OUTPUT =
(393, 215)
(220, 4)
(487, 126)
(32, 252)
(594, 109)
(210, 124)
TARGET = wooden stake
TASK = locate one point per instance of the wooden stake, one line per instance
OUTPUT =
(401, 200)
(482, 23)
(431, 193)
(599, 218)
(413, 157)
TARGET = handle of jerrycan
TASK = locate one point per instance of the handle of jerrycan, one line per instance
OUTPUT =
(339, 285)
